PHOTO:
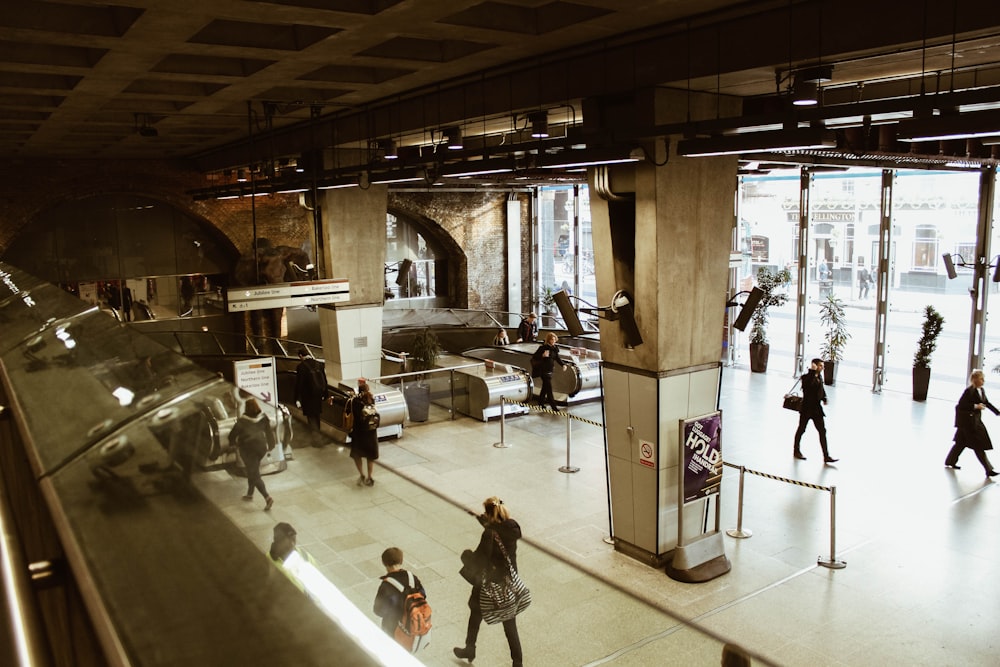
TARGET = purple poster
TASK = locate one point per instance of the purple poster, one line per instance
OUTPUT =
(702, 438)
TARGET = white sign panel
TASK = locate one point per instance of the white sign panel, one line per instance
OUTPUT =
(257, 377)
(282, 295)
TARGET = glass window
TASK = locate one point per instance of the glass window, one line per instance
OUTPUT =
(925, 248)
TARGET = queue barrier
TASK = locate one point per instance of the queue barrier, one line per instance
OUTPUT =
(569, 417)
(832, 562)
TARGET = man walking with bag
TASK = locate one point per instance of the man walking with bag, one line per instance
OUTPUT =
(813, 400)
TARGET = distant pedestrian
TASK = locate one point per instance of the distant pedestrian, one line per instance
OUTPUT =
(253, 437)
(813, 400)
(364, 441)
(527, 330)
(864, 282)
(969, 428)
(310, 387)
(543, 364)
(501, 337)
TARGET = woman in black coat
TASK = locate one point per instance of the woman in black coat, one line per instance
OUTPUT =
(969, 428)
(543, 364)
(496, 522)
(364, 442)
(252, 435)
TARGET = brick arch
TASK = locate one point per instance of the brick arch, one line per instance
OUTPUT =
(458, 271)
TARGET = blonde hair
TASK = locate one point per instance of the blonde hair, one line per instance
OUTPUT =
(976, 373)
(551, 335)
(495, 510)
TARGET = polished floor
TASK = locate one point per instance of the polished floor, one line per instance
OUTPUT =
(920, 541)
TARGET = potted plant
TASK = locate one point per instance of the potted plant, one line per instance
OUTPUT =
(547, 303)
(769, 282)
(933, 323)
(832, 316)
(426, 348)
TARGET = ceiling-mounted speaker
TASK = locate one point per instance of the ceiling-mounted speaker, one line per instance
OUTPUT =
(746, 312)
(568, 313)
(404, 271)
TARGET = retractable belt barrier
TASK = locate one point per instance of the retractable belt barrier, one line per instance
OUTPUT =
(738, 532)
(537, 408)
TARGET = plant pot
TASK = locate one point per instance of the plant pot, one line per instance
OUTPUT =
(418, 401)
(829, 372)
(921, 380)
(758, 357)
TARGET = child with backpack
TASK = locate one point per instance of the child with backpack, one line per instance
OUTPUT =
(401, 603)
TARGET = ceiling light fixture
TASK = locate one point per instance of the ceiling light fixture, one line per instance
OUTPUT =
(799, 138)
(241, 176)
(804, 93)
(453, 138)
(590, 157)
(387, 148)
(539, 124)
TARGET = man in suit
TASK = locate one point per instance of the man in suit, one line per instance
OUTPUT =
(969, 429)
(813, 400)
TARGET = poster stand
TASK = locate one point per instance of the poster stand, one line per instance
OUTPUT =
(699, 478)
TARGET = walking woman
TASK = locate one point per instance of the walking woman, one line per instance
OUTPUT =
(969, 429)
(364, 441)
(252, 435)
(543, 363)
(496, 522)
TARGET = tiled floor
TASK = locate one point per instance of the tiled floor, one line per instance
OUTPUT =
(920, 541)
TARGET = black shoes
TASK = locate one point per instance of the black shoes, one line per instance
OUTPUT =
(953, 466)
(992, 473)
(799, 456)
(830, 459)
(465, 653)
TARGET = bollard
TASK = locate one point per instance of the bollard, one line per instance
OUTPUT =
(569, 441)
(832, 562)
(738, 531)
(501, 444)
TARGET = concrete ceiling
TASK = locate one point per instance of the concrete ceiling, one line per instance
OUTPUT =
(206, 79)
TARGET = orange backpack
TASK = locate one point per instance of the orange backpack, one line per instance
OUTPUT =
(413, 631)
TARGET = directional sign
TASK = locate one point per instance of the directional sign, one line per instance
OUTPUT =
(283, 295)
(257, 377)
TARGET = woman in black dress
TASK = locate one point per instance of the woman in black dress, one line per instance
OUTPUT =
(364, 441)
(969, 429)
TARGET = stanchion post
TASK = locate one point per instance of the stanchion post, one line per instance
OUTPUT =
(502, 443)
(738, 531)
(569, 441)
(832, 563)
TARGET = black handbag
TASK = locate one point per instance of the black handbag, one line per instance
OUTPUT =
(793, 399)
(473, 567)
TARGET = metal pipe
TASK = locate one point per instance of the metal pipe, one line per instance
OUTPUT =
(569, 443)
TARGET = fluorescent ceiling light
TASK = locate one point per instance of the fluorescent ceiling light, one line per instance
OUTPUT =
(783, 140)
(477, 168)
(398, 176)
(973, 125)
(589, 157)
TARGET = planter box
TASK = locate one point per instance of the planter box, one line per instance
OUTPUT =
(921, 380)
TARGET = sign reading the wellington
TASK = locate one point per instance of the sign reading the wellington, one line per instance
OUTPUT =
(283, 295)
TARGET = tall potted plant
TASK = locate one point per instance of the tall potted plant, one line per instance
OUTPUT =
(426, 348)
(933, 323)
(769, 282)
(835, 337)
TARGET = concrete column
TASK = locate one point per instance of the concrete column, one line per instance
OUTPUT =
(354, 229)
(662, 233)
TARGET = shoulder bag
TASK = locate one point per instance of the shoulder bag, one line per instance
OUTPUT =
(793, 399)
(505, 597)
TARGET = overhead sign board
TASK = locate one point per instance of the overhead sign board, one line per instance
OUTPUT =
(283, 295)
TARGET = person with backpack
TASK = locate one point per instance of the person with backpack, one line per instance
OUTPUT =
(497, 552)
(364, 438)
(310, 386)
(401, 603)
(253, 437)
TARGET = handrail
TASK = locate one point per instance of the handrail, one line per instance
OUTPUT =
(30, 648)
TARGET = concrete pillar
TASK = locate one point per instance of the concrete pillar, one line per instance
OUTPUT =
(354, 229)
(662, 233)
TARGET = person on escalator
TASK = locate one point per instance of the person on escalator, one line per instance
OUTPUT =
(543, 365)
